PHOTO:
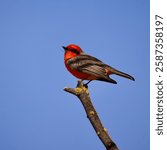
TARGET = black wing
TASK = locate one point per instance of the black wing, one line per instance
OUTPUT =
(90, 65)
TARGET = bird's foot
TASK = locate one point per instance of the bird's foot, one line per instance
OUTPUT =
(86, 84)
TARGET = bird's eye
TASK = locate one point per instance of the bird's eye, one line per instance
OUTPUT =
(75, 51)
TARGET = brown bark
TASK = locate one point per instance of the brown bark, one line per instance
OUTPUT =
(83, 94)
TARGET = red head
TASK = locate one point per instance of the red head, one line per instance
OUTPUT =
(71, 51)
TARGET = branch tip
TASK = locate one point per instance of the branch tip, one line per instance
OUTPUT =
(80, 84)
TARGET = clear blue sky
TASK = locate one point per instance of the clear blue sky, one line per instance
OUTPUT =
(35, 112)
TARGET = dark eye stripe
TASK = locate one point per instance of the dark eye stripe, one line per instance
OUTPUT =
(75, 51)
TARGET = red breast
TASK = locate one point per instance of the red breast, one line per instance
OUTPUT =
(72, 51)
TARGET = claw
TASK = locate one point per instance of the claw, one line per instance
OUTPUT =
(86, 85)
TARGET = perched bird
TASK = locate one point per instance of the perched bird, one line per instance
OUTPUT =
(86, 67)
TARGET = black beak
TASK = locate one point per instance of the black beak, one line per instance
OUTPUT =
(64, 48)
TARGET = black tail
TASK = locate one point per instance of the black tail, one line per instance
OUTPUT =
(108, 79)
(122, 74)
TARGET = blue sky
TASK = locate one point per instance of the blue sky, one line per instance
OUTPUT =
(35, 112)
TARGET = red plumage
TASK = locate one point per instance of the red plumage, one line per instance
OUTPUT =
(87, 67)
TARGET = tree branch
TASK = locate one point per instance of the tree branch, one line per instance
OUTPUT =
(83, 94)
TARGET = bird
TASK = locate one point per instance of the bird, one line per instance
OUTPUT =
(87, 67)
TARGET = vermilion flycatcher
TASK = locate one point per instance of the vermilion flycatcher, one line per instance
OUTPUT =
(87, 67)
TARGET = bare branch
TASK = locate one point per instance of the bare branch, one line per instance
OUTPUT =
(83, 94)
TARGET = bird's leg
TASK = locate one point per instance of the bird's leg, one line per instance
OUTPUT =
(86, 84)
